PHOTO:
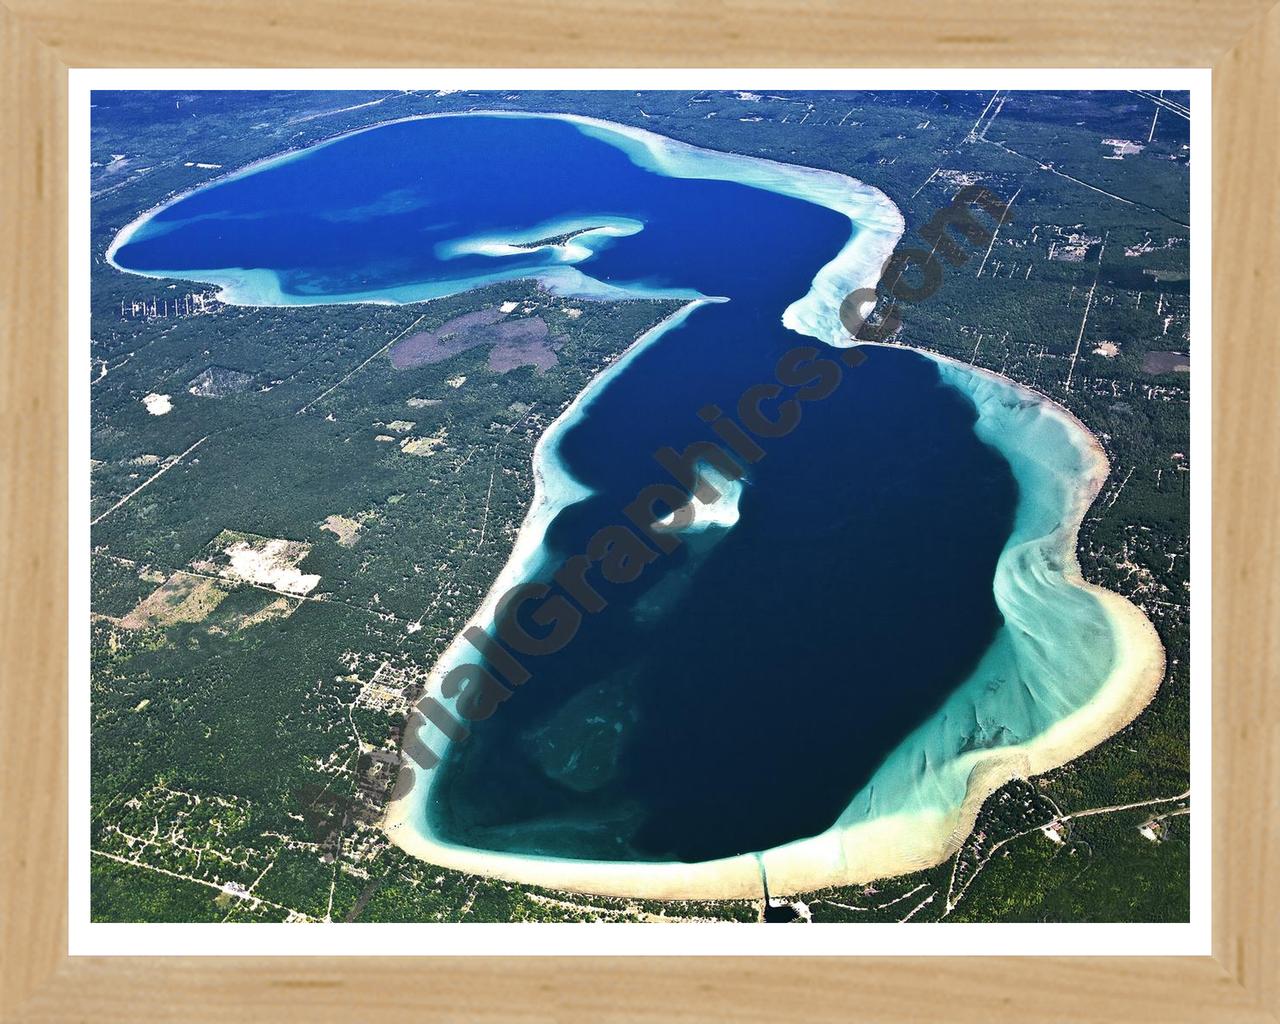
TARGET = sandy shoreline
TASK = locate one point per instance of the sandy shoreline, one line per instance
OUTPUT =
(849, 852)
(852, 851)
(876, 226)
(899, 844)
(552, 491)
(893, 844)
(877, 221)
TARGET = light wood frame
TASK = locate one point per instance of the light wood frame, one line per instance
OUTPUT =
(41, 39)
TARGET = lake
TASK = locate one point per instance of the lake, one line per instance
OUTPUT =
(886, 595)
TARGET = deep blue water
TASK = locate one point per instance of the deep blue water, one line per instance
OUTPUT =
(739, 693)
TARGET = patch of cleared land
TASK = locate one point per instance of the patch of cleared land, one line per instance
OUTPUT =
(218, 382)
(181, 598)
(263, 561)
(280, 608)
(1166, 362)
(512, 343)
(157, 405)
(346, 530)
(423, 445)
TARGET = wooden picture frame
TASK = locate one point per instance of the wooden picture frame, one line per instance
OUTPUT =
(42, 39)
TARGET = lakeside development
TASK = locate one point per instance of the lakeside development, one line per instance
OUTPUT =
(909, 816)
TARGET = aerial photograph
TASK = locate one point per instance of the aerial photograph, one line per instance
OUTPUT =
(639, 506)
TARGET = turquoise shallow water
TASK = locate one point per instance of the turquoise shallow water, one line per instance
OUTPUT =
(887, 597)
(1057, 643)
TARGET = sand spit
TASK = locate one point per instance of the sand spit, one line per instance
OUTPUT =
(700, 516)
(582, 237)
(876, 226)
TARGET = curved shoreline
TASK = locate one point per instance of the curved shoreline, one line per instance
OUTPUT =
(897, 844)
(877, 224)
(885, 845)
(851, 851)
